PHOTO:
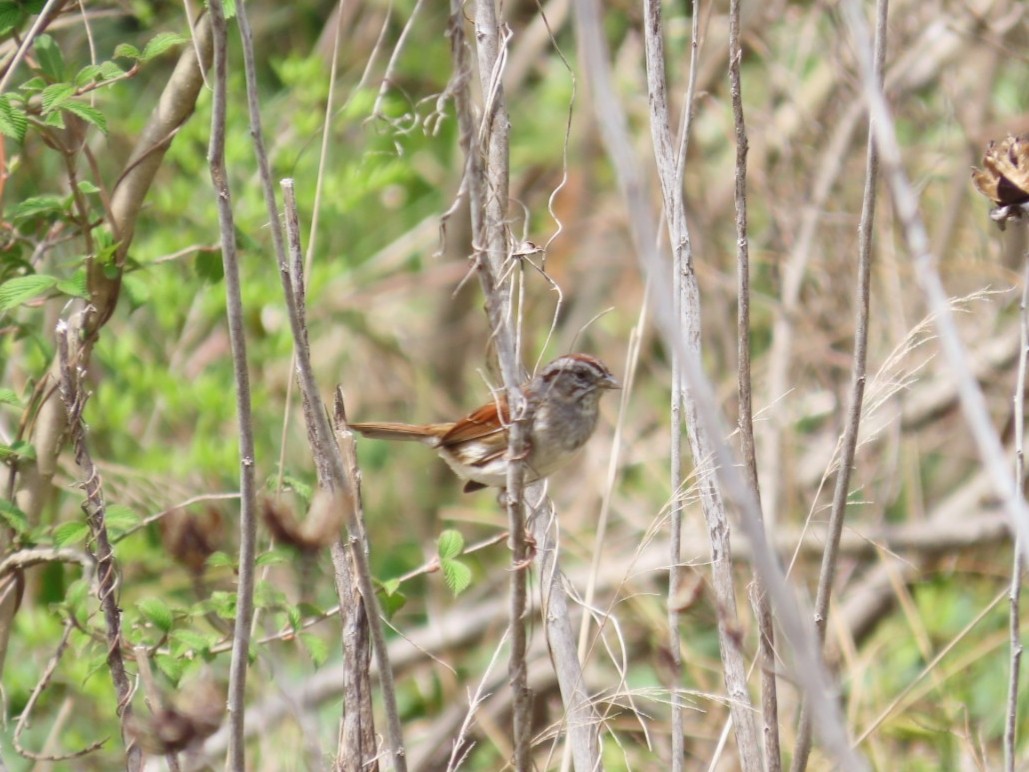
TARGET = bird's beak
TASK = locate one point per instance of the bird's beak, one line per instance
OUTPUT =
(610, 382)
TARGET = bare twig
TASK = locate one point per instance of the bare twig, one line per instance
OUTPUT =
(237, 336)
(906, 204)
(486, 176)
(74, 398)
(580, 719)
(745, 419)
(357, 741)
(329, 460)
(857, 386)
(1018, 568)
(687, 321)
(808, 669)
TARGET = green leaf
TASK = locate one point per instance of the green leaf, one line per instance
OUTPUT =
(392, 603)
(110, 71)
(88, 75)
(87, 187)
(156, 612)
(390, 586)
(316, 648)
(190, 640)
(89, 114)
(51, 62)
(71, 532)
(121, 518)
(11, 17)
(161, 43)
(266, 595)
(126, 51)
(13, 122)
(56, 96)
(229, 8)
(74, 286)
(36, 206)
(136, 290)
(220, 560)
(224, 604)
(17, 451)
(21, 289)
(456, 575)
(9, 397)
(76, 595)
(17, 520)
(172, 667)
(450, 544)
(33, 85)
(208, 266)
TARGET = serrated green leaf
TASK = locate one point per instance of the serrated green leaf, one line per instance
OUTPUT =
(292, 482)
(121, 518)
(456, 575)
(13, 122)
(54, 97)
(33, 85)
(272, 558)
(54, 120)
(229, 8)
(172, 667)
(266, 595)
(190, 639)
(71, 532)
(220, 560)
(390, 586)
(51, 61)
(316, 648)
(450, 544)
(35, 206)
(89, 74)
(22, 289)
(111, 70)
(224, 604)
(16, 520)
(87, 187)
(89, 114)
(161, 43)
(156, 612)
(296, 619)
(75, 285)
(126, 51)
(9, 397)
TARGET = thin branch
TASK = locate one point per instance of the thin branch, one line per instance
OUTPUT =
(906, 204)
(74, 396)
(486, 176)
(808, 670)
(1018, 568)
(237, 338)
(848, 448)
(356, 749)
(686, 297)
(332, 471)
(745, 418)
